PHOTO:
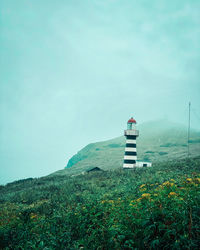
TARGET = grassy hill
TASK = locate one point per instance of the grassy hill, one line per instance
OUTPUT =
(145, 208)
(158, 141)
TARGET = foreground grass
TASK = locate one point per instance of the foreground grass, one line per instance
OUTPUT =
(152, 208)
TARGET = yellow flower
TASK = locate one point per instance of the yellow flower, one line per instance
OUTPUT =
(166, 183)
(139, 199)
(146, 195)
(197, 179)
(143, 185)
(172, 194)
(33, 216)
(155, 194)
(189, 179)
(172, 180)
(142, 190)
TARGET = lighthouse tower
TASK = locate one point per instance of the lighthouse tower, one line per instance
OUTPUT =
(130, 156)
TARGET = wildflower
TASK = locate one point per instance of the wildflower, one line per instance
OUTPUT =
(142, 190)
(172, 180)
(166, 183)
(143, 185)
(198, 180)
(189, 179)
(139, 199)
(172, 194)
(155, 194)
(33, 216)
(146, 195)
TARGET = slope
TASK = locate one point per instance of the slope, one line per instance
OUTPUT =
(158, 141)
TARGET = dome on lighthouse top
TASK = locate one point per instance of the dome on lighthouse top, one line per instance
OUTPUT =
(131, 120)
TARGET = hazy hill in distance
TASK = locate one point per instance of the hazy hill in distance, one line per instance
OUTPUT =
(158, 141)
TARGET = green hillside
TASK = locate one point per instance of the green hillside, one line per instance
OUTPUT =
(158, 141)
(144, 208)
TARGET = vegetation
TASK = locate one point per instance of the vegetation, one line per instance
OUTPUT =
(146, 208)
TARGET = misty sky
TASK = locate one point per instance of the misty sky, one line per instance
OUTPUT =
(73, 71)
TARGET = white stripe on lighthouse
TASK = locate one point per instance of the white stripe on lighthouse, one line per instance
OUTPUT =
(131, 141)
(130, 157)
(130, 150)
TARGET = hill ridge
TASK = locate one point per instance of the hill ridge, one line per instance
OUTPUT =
(158, 141)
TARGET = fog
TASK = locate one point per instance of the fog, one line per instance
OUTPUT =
(73, 72)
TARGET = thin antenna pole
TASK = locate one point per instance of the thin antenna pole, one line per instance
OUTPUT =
(189, 130)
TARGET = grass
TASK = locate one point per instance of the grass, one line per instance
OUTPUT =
(147, 208)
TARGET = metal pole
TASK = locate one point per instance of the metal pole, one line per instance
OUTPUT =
(189, 130)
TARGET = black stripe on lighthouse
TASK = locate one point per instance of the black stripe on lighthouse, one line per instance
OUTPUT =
(130, 153)
(131, 137)
(130, 161)
(130, 145)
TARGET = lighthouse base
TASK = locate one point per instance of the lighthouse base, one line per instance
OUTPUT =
(138, 164)
(129, 165)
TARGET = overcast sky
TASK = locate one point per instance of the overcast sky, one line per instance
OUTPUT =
(73, 71)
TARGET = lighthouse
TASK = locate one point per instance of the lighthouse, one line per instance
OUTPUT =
(130, 155)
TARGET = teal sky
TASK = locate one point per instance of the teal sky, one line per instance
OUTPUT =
(73, 72)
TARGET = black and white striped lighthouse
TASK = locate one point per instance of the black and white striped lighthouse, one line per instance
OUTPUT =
(130, 155)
